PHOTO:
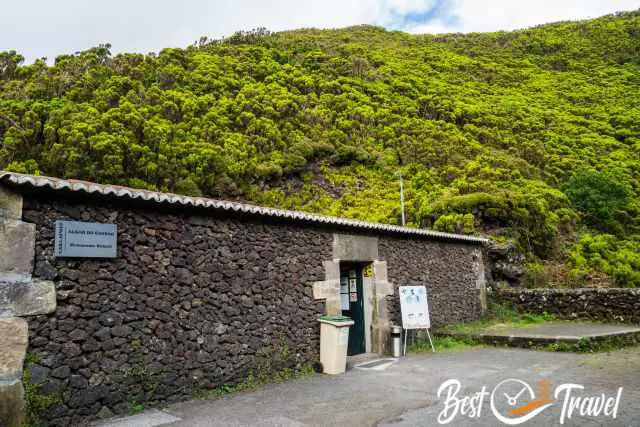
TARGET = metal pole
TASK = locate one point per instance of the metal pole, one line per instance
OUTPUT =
(433, 349)
(402, 198)
(406, 331)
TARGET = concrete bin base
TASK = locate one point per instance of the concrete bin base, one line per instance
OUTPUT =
(334, 340)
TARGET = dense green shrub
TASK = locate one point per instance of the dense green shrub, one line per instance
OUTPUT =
(486, 128)
(619, 259)
(599, 196)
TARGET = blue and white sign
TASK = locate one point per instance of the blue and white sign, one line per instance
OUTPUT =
(86, 239)
(414, 307)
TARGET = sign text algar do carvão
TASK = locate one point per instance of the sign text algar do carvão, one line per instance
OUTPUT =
(86, 239)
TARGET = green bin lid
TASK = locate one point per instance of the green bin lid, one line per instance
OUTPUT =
(336, 318)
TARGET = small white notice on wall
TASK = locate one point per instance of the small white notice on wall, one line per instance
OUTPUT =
(344, 301)
(85, 239)
(414, 307)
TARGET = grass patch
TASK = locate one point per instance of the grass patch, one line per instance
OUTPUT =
(585, 345)
(422, 345)
(500, 316)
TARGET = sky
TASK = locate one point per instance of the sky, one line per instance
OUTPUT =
(47, 28)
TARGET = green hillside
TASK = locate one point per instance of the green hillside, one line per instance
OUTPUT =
(530, 135)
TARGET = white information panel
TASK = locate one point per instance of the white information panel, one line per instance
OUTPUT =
(85, 239)
(414, 307)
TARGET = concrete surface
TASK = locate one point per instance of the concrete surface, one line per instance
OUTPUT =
(560, 329)
(405, 394)
(150, 418)
(569, 332)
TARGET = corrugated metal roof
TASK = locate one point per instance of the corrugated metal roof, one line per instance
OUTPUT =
(120, 192)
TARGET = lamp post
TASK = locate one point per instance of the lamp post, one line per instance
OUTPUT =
(401, 197)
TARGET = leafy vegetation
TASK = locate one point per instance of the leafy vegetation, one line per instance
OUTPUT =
(442, 343)
(499, 316)
(531, 135)
(36, 402)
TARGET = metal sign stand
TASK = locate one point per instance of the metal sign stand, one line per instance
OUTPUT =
(406, 332)
(414, 308)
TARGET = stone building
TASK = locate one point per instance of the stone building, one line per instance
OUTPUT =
(200, 292)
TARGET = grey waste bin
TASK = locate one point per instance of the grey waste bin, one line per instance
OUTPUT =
(396, 341)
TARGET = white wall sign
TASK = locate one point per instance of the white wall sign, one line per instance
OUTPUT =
(414, 307)
(85, 239)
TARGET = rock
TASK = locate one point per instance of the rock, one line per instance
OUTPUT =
(78, 381)
(87, 397)
(14, 338)
(52, 386)
(504, 263)
(12, 404)
(91, 346)
(121, 331)
(78, 335)
(61, 372)
(121, 277)
(110, 319)
(104, 413)
(28, 298)
(17, 243)
(103, 334)
(71, 349)
(45, 270)
(184, 276)
(37, 374)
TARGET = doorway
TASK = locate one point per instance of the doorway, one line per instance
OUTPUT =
(352, 304)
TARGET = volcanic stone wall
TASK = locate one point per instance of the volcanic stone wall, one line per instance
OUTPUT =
(195, 300)
(191, 302)
(607, 304)
(447, 270)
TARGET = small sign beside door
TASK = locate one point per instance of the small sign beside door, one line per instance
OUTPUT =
(85, 239)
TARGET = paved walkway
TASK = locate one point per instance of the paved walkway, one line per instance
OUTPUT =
(557, 332)
(562, 329)
(405, 393)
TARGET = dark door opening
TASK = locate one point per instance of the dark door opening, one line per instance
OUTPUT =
(352, 303)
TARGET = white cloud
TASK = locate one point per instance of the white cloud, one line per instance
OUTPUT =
(52, 27)
(494, 15)
(407, 6)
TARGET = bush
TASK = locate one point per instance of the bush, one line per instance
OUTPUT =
(598, 196)
(604, 253)
(455, 223)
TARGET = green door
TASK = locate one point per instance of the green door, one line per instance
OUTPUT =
(352, 297)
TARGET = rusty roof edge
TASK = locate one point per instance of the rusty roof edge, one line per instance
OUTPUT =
(121, 192)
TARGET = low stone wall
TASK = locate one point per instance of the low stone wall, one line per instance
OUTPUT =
(610, 304)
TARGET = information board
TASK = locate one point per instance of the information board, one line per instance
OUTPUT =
(414, 307)
(85, 239)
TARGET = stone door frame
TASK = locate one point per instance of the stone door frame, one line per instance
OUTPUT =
(361, 249)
